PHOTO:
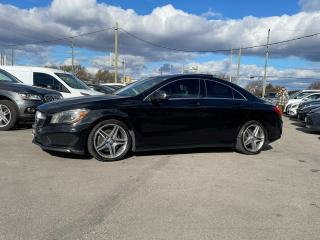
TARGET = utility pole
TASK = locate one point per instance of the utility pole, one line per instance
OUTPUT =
(124, 69)
(12, 56)
(239, 63)
(182, 69)
(116, 52)
(72, 54)
(266, 66)
(231, 62)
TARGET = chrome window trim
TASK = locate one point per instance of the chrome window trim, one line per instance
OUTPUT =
(173, 82)
(204, 79)
(244, 98)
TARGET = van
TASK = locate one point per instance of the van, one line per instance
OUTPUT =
(65, 83)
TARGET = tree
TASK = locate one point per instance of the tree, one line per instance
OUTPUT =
(314, 85)
(104, 76)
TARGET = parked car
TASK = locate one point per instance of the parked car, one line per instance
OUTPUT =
(18, 102)
(292, 106)
(313, 119)
(305, 107)
(115, 86)
(271, 97)
(164, 112)
(102, 88)
(67, 84)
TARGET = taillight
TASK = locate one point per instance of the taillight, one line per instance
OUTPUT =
(278, 111)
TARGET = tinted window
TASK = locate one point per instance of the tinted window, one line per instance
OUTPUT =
(4, 76)
(217, 90)
(139, 87)
(237, 95)
(186, 88)
(47, 81)
(313, 97)
(72, 81)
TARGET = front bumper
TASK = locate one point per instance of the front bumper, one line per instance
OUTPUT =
(61, 138)
(313, 124)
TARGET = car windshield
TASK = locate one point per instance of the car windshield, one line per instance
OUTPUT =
(72, 81)
(301, 95)
(7, 77)
(139, 87)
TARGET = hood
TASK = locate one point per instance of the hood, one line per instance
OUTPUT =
(89, 102)
(22, 88)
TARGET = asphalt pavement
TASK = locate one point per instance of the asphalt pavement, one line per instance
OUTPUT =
(195, 194)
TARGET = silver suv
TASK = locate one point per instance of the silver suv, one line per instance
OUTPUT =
(18, 102)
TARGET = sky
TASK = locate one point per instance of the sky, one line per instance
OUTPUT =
(187, 25)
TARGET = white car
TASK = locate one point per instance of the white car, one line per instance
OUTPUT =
(66, 83)
(292, 105)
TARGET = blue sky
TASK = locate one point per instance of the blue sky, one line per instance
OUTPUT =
(220, 10)
(229, 8)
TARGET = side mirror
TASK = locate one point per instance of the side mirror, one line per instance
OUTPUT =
(159, 96)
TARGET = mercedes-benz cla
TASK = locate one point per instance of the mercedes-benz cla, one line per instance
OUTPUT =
(164, 112)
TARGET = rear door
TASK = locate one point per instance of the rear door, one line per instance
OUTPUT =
(225, 111)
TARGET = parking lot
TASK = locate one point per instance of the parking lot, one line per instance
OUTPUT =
(196, 194)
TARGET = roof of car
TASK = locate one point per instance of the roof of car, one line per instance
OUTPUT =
(33, 69)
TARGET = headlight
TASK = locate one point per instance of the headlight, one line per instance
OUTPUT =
(71, 116)
(27, 96)
(294, 106)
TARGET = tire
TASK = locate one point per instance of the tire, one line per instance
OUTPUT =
(109, 140)
(9, 106)
(245, 144)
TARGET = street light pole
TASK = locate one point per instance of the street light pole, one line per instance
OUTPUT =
(116, 53)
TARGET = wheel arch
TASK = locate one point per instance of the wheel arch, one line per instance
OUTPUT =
(256, 119)
(122, 119)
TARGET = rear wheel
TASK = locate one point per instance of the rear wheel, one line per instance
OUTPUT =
(251, 138)
(8, 115)
(109, 141)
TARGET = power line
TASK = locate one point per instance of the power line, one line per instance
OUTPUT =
(217, 50)
(59, 39)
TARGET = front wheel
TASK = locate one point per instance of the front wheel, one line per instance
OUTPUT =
(109, 140)
(251, 138)
(8, 115)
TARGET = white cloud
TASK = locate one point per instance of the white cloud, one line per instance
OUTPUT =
(309, 5)
(165, 25)
(210, 14)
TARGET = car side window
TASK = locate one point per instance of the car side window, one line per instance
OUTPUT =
(47, 81)
(185, 88)
(237, 95)
(217, 90)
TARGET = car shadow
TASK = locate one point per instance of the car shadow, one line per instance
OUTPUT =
(20, 127)
(155, 153)
(192, 151)
(69, 155)
(298, 123)
(307, 130)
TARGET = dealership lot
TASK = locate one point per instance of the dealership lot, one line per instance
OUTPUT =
(203, 194)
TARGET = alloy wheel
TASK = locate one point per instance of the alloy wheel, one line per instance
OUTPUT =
(253, 138)
(110, 141)
(5, 115)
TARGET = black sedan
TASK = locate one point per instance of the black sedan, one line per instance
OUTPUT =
(305, 107)
(313, 120)
(164, 112)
